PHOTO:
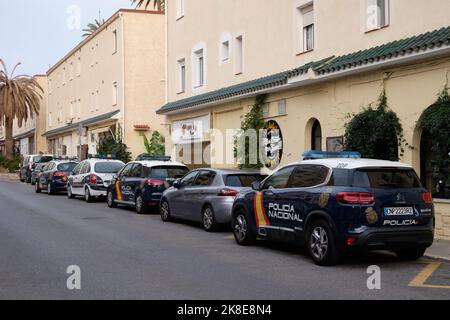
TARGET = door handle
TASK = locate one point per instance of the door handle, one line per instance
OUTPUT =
(270, 193)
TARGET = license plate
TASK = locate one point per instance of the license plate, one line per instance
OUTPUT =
(404, 211)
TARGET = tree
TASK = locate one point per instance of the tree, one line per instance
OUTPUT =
(114, 145)
(375, 132)
(156, 144)
(20, 98)
(92, 27)
(160, 5)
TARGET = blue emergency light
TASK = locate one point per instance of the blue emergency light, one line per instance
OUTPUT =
(312, 155)
(109, 156)
(152, 157)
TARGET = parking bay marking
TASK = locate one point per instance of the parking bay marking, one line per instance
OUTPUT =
(421, 279)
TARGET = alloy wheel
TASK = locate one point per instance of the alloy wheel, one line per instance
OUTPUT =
(240, 227)
(208, 218)
(165, 210)
(319, 243)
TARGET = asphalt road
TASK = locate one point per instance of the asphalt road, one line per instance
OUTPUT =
(126, 256)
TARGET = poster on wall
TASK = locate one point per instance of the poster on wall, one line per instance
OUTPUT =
(335, 144)
(273, 145)
(190, 130)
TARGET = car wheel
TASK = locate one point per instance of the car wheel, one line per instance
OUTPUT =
(243, 232)
(410, 254)
(37, 187)
(70, 194)
(165, 211)
(33, 182)
(87, 195)
(141, 206)
(49, 189)
(209, 219)
(321, 244)
(110, 200)
(28, 179)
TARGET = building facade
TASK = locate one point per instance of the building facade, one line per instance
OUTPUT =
(317, 62)
(111, 83)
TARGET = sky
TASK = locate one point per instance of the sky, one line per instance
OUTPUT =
(38, 33)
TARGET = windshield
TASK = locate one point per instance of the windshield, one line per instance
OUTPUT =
(108, 167)
(163, 173)
(42, 159)
(242, 180)
(67, 167)
(386, 178)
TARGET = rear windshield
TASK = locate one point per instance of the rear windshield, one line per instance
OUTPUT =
(174, 172)
(108, 167)
(242, 180)
(386, 178)
(42, 159)
(67, 167)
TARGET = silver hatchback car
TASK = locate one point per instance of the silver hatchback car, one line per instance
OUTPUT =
(206, 196)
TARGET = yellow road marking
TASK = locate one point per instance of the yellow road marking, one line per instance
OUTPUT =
(421, 279)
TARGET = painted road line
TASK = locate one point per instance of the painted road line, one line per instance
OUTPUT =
(421, 279)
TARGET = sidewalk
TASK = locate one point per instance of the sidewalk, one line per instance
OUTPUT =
(9, 177)
(439, 250)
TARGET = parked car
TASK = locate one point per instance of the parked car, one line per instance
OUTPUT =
(206, 196)
(28, 165)
(53, 176)
(140, 184)
(36, 171)
(338, 205)
(91, 178)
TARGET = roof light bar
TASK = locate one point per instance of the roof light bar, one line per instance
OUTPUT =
(152, 157)
(312, 155)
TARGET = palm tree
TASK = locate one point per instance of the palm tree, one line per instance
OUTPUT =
(160, 5)
(20, 97)
(92, 27)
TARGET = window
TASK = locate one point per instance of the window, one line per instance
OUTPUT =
(266, 110)
(189, 179)
(71, 71)
(92, 101)
(386, 178)
(279, 179)
(50, 86)
(377, 14)
(306, 176)
(199, 69)
(136, 171)
(239, 60)
(180, 9)
(165, 172)
(50, 120)
(307, 27)
(86, 168)
(242, 180)
(126, 171)
(77, 169)
(64, 76)
(316, 136)
(225, 51)
(79, 67)
(96, 100)
(282, 107)
(115, 41)
(78, 112)
(205, 178)
(115, 99)
(181, 75)
(72, 109)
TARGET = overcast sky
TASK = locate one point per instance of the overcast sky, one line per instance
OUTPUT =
(39, 33)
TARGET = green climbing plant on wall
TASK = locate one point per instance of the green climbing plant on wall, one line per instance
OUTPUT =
(253, 120)
(435, 123)
(376, 132)
(156, 145)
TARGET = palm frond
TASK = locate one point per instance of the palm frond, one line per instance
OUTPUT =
(160, 5)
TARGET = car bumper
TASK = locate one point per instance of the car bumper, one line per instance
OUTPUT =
(223, 209)
(98, 191)
(382, 239)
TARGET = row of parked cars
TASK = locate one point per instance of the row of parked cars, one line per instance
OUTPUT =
(332, 203)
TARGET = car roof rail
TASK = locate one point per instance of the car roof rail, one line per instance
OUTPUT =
(109, 156)
(152, 157)
(314, 155)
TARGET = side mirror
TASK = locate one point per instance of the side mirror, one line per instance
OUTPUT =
(256, 185)
(177, 184)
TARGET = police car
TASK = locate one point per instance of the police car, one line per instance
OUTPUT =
(140, 184)
(338, 202)
(53, 176)
(91, 178)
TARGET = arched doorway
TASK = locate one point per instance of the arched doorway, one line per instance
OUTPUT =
(316, 136)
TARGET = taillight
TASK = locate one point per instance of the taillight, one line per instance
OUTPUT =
(60, 174)
(355, 197)
(427, 197)
(228, 193)
(157, 183)
(94, 179)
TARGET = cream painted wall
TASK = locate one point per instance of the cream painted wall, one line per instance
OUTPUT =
(144, 36)
(269, 31)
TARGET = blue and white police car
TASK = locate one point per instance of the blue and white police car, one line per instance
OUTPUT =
(337, 202)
